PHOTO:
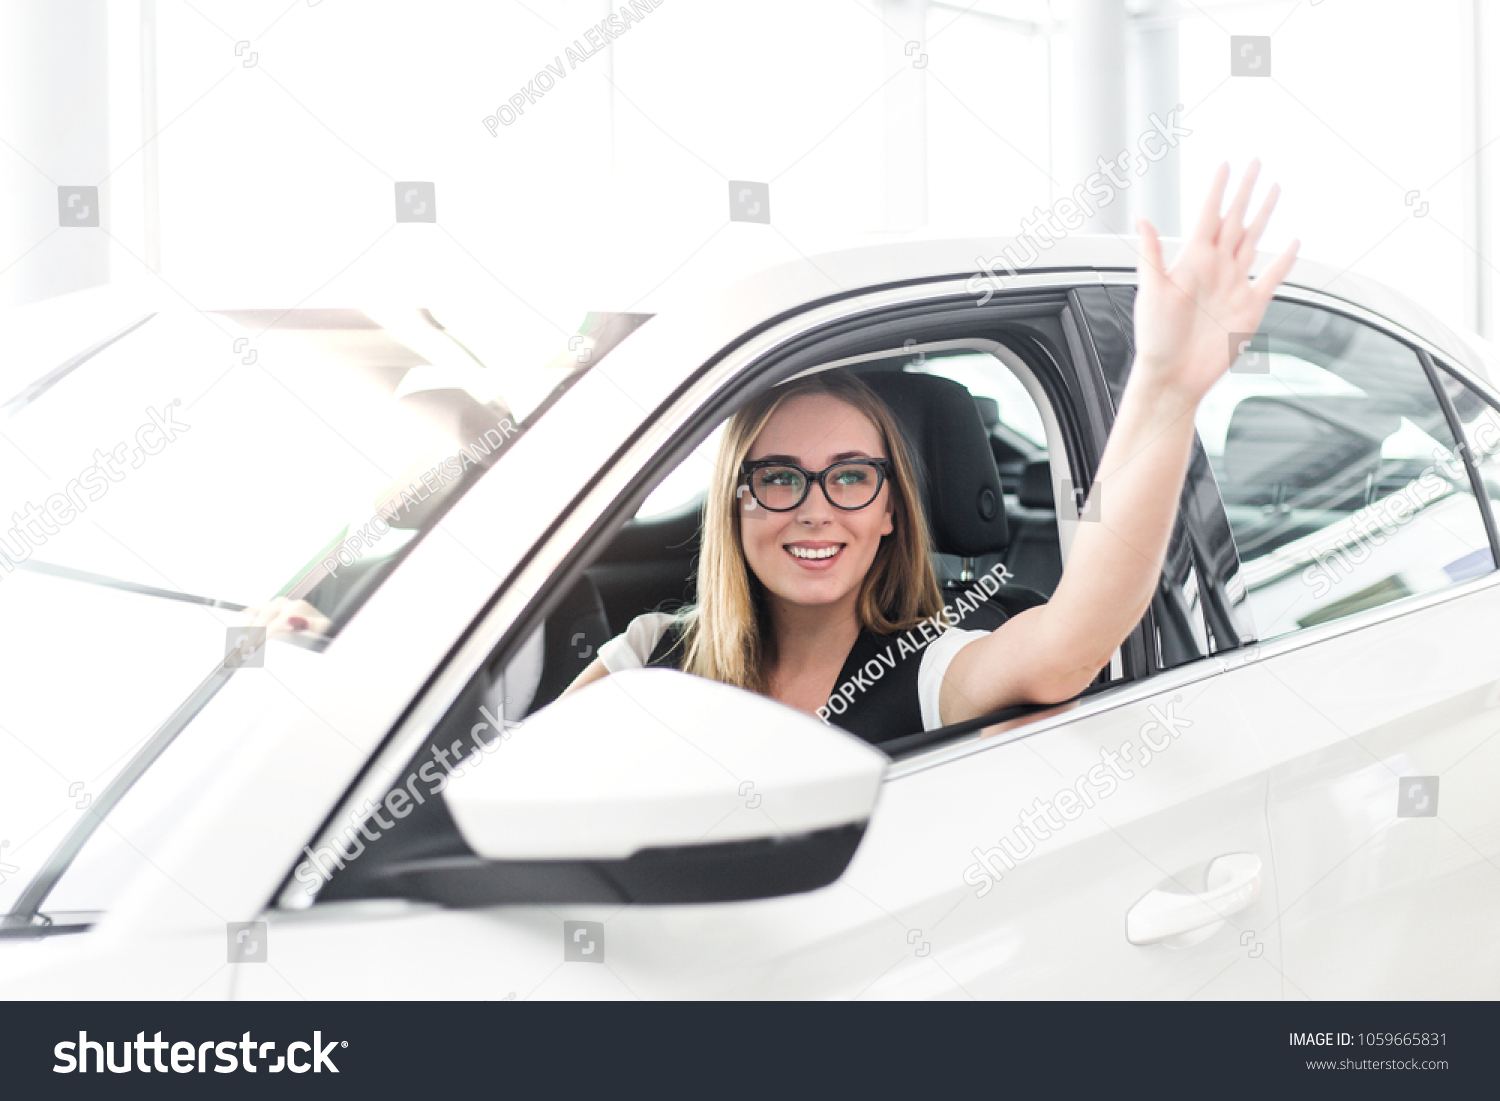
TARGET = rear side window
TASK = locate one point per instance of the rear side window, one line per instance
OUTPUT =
(1342, 480)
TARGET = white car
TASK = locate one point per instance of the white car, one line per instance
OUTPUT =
(1283, 786)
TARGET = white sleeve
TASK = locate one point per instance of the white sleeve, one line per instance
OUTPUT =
(631, 649)
(935, 661)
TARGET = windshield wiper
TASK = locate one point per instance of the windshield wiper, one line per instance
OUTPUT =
(23, 918)
(52, 924)
(104, 581)
(26, 917)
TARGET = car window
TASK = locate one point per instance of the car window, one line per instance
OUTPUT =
(986, 377)
(1338, 471)
(1180, 620)
(687, 483)
(1018, 440)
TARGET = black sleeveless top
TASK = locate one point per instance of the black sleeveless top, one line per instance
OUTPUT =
(875, 695)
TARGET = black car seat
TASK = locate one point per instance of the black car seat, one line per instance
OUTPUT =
(960, 486)
(1306, 452)
(1008, 461)
(1035, 554)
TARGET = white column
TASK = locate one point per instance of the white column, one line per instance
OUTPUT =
(54, 121)
(1478, 119)
(1097, 30)
(905, 114)
(150, 163)
(1159, 192)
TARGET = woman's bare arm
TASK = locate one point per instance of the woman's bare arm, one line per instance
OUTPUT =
(594, 671)
(1183, 320)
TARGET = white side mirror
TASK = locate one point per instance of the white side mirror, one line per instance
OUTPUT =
(654, 759)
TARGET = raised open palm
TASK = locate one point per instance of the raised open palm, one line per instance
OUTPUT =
(1185, 315)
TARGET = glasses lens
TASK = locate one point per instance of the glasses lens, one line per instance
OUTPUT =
(778, 487)
(853, 485)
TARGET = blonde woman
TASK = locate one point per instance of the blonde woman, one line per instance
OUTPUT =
(814, 552)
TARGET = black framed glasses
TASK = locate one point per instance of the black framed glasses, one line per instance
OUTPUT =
(780, 486)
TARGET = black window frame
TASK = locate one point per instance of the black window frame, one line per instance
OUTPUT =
(1166, 638)
(1434, 370)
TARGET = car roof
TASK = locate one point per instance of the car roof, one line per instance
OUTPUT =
(832, 274)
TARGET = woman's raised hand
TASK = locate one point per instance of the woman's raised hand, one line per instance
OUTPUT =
(1185, 320)
(1186, 316)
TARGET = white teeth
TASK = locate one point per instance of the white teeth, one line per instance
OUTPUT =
(825, 552)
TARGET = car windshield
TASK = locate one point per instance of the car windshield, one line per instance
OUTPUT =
(165, 470)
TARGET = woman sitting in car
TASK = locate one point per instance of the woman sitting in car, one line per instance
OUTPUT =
(815, 554)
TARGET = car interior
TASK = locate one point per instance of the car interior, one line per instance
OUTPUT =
(988, 489)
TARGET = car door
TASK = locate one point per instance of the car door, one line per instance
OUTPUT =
(1368, 566)
(1117, 846)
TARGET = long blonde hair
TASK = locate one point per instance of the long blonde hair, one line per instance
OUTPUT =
(727, 633)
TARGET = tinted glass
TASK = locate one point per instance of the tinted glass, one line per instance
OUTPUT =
(1339, 472)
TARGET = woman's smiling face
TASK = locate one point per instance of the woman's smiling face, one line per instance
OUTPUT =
(815, 554)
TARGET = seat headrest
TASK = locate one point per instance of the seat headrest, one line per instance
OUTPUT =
(961, 487)
(1035, 490)
(1312, 449)
(989, 411)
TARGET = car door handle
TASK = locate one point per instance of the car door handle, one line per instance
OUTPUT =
(1233, 882)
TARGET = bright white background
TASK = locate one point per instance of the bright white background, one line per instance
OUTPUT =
(273, 184)
(276, 181)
